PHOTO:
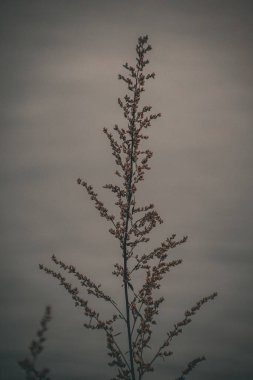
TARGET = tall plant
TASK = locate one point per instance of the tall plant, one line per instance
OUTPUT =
(131, 227)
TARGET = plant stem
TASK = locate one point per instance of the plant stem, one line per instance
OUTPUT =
(125, 279)
(129, 198)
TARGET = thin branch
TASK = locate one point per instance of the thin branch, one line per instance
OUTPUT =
(179, 325)
(90, 285)
(190, 366)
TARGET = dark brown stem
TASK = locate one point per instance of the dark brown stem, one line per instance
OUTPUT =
(125, 253)
(125, 279)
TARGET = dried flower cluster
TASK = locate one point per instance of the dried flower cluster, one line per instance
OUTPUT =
(29, 365)
(131, 227)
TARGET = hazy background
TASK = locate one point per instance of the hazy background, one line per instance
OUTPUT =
(59, 66)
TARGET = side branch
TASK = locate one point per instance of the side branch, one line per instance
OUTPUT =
(90, 285)
(179, 325)
(74, 292)
(98, 204)
(190, 366)
(159, 253)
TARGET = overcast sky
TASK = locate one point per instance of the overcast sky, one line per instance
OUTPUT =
(59, 65)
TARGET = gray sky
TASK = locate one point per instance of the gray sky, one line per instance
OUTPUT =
(59, 66)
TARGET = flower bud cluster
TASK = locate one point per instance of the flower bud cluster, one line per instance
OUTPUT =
(178, 327)
(98, 204)
(29, 365)
(190, 366)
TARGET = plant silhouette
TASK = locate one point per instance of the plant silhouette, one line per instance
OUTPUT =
(131, 227)
(29, 365)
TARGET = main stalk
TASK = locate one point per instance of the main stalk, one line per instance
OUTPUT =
(125, 253)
